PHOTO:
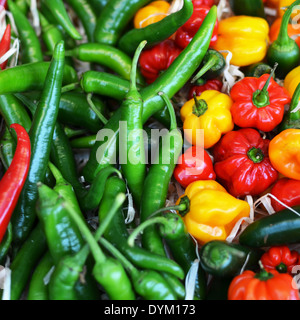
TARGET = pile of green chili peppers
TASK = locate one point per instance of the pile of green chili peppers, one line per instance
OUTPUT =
(68, 236)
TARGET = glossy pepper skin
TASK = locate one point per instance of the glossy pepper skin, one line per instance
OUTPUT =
(209, 112)
(263, 286)
(5, 45)
(280, 258)
(14, 178)
(157, 59)
(256, 108)
(284, 153)
(212, 212)
(185, 33)
(191, 167)
(246, 37)
(292, 80)
(287, 191)
(254, 8)
(242, 163)
(213, 84)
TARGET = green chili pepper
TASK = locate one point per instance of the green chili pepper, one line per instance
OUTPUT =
(58, 11)
(30, 44)
(213, 65)
(8, 146)
(25, 261)
(292, 117)
(156, 32)
(87, 16)
(132, 153)
(169, 82)
(284, 50)
(117, 234)
(107, 56)
(5, 244)
(98, 5)
(38, 289)
(248, 7)
(85, 142)
(257, 70)
(31, 76)
(41, 133)
(113, 19)
(23, 6)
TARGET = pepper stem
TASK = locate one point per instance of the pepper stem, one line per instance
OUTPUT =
(200, 106)
(255, 155)
(134, 65)
(93, 107)
(261, 97)
(171, 110)
(70, 87)
(56, 173)
(212, 61)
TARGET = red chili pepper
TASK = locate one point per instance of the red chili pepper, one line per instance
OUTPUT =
(3, 4)
(185, 33)
(242, 163)
(287, 191)
(157, 59)
(195, 164)
(280, 258)
(14, 178)
(213, 84)
(5, 45)
(258, 103)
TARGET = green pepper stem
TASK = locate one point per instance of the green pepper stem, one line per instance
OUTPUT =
(283, 38)
(57, 174)
(94, 247)
(173, 121)
(134, 65)
(181, 207)
(261, 97)
(256, 155)
(70, 87)
(200, 106)
(144, 225)
(212, 61)
(93, 107)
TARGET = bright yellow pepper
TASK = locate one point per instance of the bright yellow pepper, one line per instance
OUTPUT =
(212, 212)
(245, 37)
(154, 12)
(292, 80)
(284, 153)
(212, 115)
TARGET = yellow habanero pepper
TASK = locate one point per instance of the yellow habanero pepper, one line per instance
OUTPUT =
(245, 37)
(209, 112)
(292, 80)
(154, 12)
(212, 211)
(284, 153)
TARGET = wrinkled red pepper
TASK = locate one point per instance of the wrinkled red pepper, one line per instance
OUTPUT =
(14, 178)
(5, 45)
(258, 103)
(185, 33)
(193, 165)
(280, 258)
(287, 191)
(213, 84)
(158, 59)
(242, 163)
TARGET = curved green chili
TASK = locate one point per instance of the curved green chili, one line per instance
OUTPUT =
(98, 5)
(169, 82)
(5, 244)
(156, 32)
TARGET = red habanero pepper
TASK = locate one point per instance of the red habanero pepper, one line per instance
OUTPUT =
(14, 178)
(199, 3)
(5, 45)
(213, 84)
(287, 191)
(280, 258)
(258, 102)
(193, 165)
(185, 33)
(242, 163)
(157, 59)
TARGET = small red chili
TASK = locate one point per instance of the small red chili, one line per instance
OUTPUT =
(5, 45)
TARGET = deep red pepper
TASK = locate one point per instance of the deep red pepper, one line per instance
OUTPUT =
(258, 103)
(3, 4)
(280, 258)
(214, 84)
(199, 3)
(287, 191)
(14, 178)
(157, 59)
(5, 45)
(242, 163)
(185, 33)
(195, 164)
